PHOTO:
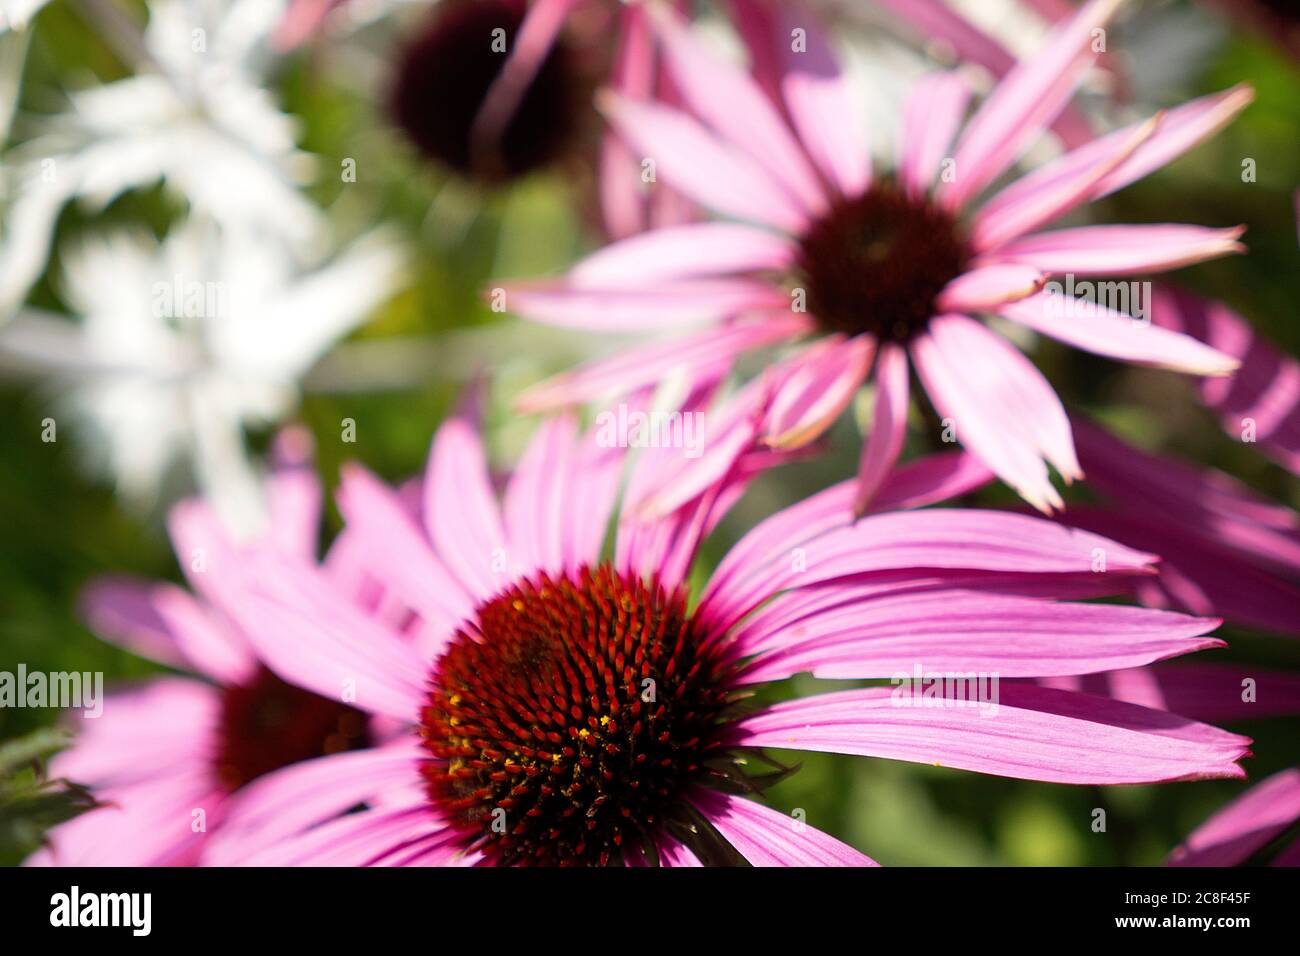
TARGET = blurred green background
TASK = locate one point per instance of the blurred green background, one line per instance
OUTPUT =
(58, 528)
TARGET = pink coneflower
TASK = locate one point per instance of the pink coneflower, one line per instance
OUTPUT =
(163, 758)
(887, 267)
(578, 705)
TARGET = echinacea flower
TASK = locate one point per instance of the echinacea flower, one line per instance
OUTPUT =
(572, 705)
(883, 269)
(177, 346)
(164, 757)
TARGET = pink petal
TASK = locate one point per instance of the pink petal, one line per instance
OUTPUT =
(652, 363)
(766, 837)
(650, 308)
(1104, 331)
(1049, 192)
(1035, 734)
(1200, 574)
(460, 510)
(1180, 129)
(826, 107)
(144, 824)
(358, 839)
(162, 726)
(931, 117)
(986, 287)
(1222, 509)
(306, 632)
(683, 252)
(123, 610)
(623, 202)
(1264, 393)
(1245, 825)
(538, 506)
(982, 407)
(294, 495)
(673, 853)
(1024, 103)
(936, 19)
(955, 539)
(291, 800)
(972, 631)
(203, 637)
(703, 167)
(1122, 250)
(733, 104)
(810, 400)
(918, 483)
(881, 448)
(1057, 187)
(395, 550)
(1213, 693)
(529, 49)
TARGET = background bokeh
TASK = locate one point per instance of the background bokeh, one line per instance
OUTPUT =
(398, 376)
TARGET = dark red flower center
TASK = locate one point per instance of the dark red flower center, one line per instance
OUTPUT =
(565, 725)
(444, 74)
(875, 263)
(267, 724)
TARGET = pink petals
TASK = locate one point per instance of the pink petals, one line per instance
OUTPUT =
(1095, 328)
(765, 837)
(734, 105)
(1024, 103)
(1033, 734)
(986, 287)
(1122, 250)
(702, 166)
(817, 391)
(931, 118)
(826, 107)
(888, 426)
(1245, 825)
(999, 405)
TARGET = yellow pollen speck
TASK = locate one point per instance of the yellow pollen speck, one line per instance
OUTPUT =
(455, 700)
(517, 604)
(604, 720)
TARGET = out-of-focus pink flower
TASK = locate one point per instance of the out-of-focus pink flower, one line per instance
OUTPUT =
(574, 705)
(1226, 550)
(164, 757)
(883, 269)
(1246, 826)
(1260, 402)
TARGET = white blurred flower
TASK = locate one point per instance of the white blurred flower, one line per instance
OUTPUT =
(181, 344)
(15, 14)
(195, 117)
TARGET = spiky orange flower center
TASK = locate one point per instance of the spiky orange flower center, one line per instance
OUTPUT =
(565, 724)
